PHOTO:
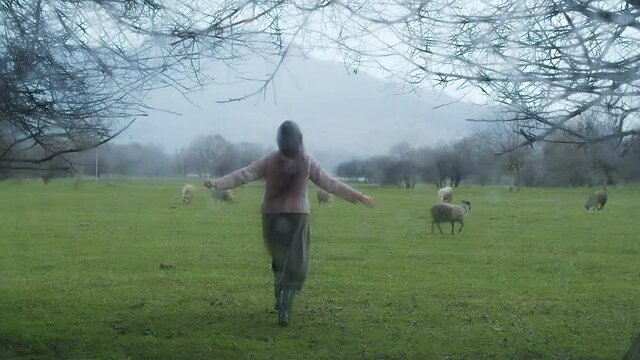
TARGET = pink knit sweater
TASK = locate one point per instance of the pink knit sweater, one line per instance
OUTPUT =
(294, 198)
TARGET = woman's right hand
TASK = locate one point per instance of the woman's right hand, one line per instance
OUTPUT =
(209, 184)
(367, 201)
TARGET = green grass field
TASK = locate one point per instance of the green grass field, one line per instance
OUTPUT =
(532, 276)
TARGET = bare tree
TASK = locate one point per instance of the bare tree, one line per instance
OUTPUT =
(57, 93)
(462, 160)
(503, 138)
(207, 154)
(181, 161)
(605, 157)
(546, 62)
(73, 75)
(386, 170)
(481, 164)
(630, 171)
(563, 163)
(403, 152)
(441, 160)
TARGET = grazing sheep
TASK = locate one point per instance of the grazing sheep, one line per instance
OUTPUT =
(187, 194)
(449, 213)
(223, 195)
(325, 197)
(596, 200)
(445, 195)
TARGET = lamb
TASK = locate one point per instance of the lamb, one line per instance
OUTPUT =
(187, 194)
(223, 195)
(445, 195)
(596, 200)
(449, 213)
(325, 197)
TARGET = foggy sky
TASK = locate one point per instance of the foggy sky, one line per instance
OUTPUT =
(342, 115)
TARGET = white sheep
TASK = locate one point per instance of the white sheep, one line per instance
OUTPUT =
(223, 195)
(596, 200)
(449, 213)
(187, 194)
(325, 197)
(445, 195)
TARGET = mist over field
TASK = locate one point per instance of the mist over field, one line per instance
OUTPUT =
(343, 115)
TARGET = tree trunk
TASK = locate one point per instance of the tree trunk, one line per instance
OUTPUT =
(513, 180)
(518, 179)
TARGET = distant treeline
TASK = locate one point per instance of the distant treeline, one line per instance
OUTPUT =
(473, 160)
(210, 155)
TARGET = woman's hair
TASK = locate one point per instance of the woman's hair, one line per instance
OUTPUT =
(290, 145)
(290, 140)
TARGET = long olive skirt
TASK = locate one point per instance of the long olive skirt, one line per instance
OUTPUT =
(288, 240)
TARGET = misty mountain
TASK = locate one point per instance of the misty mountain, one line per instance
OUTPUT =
(342, 115)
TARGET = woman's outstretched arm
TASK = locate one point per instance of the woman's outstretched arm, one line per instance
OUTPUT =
(321, 178)
(253, 172)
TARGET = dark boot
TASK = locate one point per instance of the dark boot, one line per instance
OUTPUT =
(286, 300)
(276, 292)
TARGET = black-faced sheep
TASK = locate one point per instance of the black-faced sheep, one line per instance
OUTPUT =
(596, 200)
(445, 195)
(187, 194)
(223, 195)
(449, 213)
(325, 197)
